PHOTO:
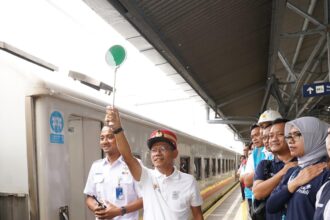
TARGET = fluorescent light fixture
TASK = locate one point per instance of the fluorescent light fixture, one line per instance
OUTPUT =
(89, 81)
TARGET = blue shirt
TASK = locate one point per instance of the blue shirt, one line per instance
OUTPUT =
(248, 193)
(301, 203)
(258, 155)
(322, 206)
(265, 170)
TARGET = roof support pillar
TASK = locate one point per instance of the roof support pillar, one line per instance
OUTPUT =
(304, 14)
(303, 72)
(317, 62)
(286, 65)
(301, 38)
(267, 93)
(277, 95)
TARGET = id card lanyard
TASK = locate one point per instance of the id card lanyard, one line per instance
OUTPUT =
(119, 191)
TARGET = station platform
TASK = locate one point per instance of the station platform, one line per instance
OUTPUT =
(229, 207)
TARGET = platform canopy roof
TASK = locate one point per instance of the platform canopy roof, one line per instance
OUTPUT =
(239, 57)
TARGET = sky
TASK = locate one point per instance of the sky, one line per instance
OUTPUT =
(71, 36)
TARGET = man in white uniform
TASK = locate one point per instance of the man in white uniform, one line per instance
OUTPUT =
(167, 193)
(111, 184)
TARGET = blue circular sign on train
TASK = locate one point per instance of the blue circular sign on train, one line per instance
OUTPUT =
(56, 122)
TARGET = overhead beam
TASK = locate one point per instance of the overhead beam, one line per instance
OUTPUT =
(131, 11)
(277, 95)
(301, 38)
(26, 56)
(304, 69)
(317, 62)
(267, 93)
(278, 9)
(240, 95)
(304, 14)
(233, 122)
(302, 33)
(286, 65)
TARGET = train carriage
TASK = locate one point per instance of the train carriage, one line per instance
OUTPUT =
(50, 137)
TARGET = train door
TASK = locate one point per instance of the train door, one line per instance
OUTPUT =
(185, 164)
(83, 150)
(197, 170)
(213, 167)
(206, 167)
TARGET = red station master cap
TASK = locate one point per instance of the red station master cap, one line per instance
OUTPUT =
(162, 136)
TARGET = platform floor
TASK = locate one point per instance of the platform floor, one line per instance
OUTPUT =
(229, 207)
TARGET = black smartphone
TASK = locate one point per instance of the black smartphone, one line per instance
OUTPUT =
(99, 203)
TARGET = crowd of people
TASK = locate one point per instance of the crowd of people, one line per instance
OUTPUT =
(283, 174)
(286, 175)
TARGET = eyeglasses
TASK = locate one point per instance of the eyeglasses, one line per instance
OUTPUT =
(162, 149)
(294, 136)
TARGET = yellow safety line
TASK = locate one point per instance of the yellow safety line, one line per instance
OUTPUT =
(245, 212)
(216, 184)
(242, 213)
(210, 210)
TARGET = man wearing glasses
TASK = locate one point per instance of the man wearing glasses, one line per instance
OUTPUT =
(167, 193)
(270, 172)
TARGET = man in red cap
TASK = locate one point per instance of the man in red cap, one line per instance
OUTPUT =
(167, 193)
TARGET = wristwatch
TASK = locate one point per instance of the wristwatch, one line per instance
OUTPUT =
(123, 210)
(118, 130)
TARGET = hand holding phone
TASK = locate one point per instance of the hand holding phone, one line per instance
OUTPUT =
(100, 204)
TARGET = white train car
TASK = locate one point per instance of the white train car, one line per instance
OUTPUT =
(50, 137)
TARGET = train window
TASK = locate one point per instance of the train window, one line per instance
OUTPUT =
(213, 167)
(223, 165)
(185, 164)
(227, 165)
(219, 166)
(206, 167)
(198, 164)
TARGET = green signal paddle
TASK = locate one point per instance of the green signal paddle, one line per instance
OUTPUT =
(114, 57)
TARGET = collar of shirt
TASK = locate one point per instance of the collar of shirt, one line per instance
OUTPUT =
(276, 160)
(105, 161)
(174, 175)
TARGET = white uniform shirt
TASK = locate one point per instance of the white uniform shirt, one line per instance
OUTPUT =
(168, 198)
(268, 154)
(103, 179)
(249, 164)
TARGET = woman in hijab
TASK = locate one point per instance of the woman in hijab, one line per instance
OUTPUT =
(297, 189)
